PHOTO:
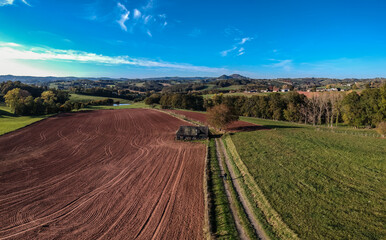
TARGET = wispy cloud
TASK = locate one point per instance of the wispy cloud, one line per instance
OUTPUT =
(195, 32)
(14, 51)
(286, 64)
(237, 47)
(124, 16)
(137, 13)
(226, 52)
(244, 40)
(143, 18)
(11, 2)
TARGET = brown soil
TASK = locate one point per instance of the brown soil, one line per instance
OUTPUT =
(238, 126)
(101, 175)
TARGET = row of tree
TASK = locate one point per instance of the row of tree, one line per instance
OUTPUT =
(365, 109)
(177, 100)
(22, 102)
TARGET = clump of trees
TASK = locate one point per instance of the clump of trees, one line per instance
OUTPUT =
(22, 102)
(177, 100)
(220, 116)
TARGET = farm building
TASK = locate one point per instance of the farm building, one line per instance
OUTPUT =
(192, 133)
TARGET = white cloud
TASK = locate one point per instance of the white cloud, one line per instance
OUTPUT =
(9, 44)
(142, 19)
(122, 7)
(237, 46)
(11, 53)
(226, 52)
(124, 16)
(244, 40)
(284, 64)
(6, 2)
(137, 14)
(11, 2)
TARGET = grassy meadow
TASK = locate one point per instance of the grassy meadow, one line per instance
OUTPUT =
(220, 214)
(324, 185)
(86, 98)
(10, 122)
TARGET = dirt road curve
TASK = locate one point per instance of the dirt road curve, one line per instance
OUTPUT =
(101, 175)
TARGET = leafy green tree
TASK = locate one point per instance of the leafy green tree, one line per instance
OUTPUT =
(353, 112)
(15, 99)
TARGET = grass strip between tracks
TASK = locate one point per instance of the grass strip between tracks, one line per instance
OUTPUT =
(248, 228)
(220, 216)
(270, 220)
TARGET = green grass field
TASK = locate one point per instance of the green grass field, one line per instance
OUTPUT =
(86, 98)
(324, 185)
(220, 213)
(9, 122)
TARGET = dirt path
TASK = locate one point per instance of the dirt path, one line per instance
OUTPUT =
(239, 227)
(101, 175)
(246, 205)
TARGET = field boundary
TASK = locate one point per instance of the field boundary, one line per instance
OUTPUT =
(273, 218)
(208, 228)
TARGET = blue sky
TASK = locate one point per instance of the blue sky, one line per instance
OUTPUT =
(147, 38)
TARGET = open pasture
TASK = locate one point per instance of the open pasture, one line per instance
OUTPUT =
(324, 185)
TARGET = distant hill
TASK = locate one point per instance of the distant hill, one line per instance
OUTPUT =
(233, 76)
(32, 80)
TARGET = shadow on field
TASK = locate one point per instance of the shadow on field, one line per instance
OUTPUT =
(278, 126)
(5, 113)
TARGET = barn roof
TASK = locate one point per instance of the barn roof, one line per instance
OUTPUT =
(192, 130)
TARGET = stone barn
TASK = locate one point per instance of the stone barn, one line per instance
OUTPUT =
(192, 133)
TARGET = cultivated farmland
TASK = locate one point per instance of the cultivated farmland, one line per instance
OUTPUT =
(101, 175)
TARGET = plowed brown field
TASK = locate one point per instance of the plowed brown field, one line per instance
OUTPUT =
(238, 126)
(101, 175)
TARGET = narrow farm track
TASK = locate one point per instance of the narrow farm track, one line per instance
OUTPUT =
(239, 227)
(246, 205)
(101, 175)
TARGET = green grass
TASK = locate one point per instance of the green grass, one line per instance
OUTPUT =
(9, 122)
(324, 185)
(238, 94)
(248, 227)
(220, 213)
(86, 98)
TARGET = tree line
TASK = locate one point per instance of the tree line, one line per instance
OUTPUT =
(177, 100)
(22, 102)
(365, 109)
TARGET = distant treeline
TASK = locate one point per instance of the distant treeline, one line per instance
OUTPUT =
(177, 100)
(365, 109)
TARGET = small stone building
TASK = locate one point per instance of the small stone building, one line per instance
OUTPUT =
(192, 133)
